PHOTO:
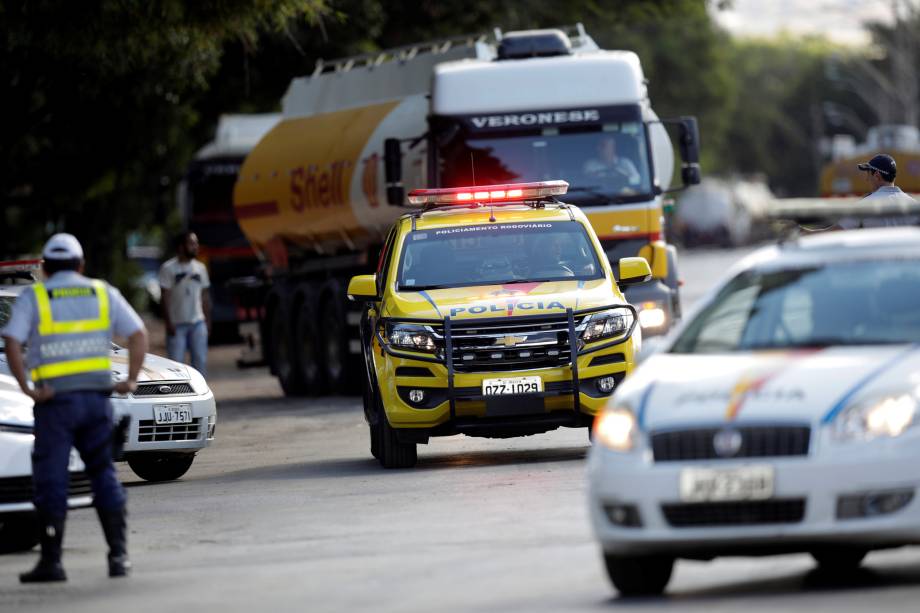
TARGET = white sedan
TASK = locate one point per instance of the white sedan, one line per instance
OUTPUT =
(173, 412)
(780, 417)
(18, 528)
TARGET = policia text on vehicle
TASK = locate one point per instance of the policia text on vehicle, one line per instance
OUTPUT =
(67, 324)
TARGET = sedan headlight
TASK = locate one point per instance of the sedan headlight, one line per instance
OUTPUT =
(886, 416)
(616, 429)
(606, 324)
(652, 315)
(411, 336)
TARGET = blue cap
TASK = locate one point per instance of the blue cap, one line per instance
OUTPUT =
(883, 163)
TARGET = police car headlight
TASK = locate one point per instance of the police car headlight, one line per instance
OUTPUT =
(606, 324)
(411, 336)
(886, 416)
(616, 429)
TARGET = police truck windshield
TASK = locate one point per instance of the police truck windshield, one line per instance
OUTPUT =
(496, 254)
(602, 166)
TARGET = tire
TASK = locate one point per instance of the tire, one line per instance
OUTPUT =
(281, 357)
(390, 451)
(305, 349)
(639, 575)
(18, 532)
(160, 466)
(839, 559)
(333, 350)
(373, 421)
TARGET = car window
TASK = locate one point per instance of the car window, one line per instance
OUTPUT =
(851, 303)
(497, 253)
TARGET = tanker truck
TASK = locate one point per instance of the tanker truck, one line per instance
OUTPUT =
(319, 192)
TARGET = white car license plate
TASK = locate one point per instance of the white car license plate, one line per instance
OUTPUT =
(512, 385)
(717, 484)
(167, 414)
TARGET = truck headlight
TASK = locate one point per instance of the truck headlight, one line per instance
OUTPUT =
(411, 336)
(886, 416)
(616, 429)
(606, 324)
(652, 315)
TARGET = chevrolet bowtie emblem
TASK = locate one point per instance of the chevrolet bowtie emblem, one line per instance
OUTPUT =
(510, 341)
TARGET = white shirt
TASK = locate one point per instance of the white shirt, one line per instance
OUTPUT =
(185, 280)
(886, 194)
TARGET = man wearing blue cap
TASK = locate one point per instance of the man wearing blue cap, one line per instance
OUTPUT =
(67, 323)
(881, 171)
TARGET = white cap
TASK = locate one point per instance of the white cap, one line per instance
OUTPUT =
(63, 247)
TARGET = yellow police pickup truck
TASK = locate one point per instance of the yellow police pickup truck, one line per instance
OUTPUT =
(494, 312)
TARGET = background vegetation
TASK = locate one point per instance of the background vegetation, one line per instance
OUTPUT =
(105, 101)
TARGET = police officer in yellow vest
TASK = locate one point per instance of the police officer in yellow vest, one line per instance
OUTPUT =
(67, 325)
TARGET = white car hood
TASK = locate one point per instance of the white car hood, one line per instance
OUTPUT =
(155, 368)
(15, 407)
(674, 390)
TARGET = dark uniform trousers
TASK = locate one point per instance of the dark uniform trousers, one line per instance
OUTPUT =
(74, 419)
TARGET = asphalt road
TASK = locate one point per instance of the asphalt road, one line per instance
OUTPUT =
(288, 512)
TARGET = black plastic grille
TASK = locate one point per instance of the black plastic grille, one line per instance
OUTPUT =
(19, 489)
(787, 511)
(756, 442)
(157, 389)
(508, 346)
(150, 432)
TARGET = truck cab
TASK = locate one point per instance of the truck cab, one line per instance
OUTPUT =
(494, 312)
(547, 105)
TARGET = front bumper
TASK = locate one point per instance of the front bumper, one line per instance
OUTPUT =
(145, 435)
(455, 398)
(16, 477)
(817, 480)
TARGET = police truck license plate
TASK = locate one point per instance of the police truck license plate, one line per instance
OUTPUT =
(166, 414)
(512, 385)
(718, 484)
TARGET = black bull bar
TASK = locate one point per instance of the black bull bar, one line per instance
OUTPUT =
(575, 351)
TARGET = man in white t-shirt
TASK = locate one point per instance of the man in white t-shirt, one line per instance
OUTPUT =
(186, 303)
(881, 171)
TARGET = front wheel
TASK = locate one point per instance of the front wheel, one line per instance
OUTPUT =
(18, 532)
(639, 575)
(839, 559)
(391, 453)
(160, 466)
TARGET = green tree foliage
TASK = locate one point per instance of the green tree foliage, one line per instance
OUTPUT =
(97, 108)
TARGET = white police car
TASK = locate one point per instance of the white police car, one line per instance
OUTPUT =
(18, 529)
(173, 412)
(780, 417)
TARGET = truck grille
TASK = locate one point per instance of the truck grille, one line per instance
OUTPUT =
(149, 432)
(163, 389)
(787, 511)
(756, 442)
(19, 489)
(508, 346)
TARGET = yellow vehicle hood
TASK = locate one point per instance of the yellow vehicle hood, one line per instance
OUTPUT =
(507, 300)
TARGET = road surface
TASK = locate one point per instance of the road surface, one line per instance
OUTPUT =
(288, 512)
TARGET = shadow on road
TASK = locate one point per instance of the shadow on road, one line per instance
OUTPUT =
(369, 467)
(792, 585)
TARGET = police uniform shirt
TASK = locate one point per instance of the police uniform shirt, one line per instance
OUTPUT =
(887, 194)
(23, 324)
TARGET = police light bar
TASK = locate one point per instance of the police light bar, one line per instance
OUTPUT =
(508, 192)
(20, 266)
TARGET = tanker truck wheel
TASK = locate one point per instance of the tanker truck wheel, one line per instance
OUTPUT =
(282, 358)
(305, 343)
(334, 340)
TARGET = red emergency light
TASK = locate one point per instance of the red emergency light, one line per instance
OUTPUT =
(491, 194)
(9, 266)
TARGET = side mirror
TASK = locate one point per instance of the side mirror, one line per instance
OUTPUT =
(363, 287)
(690, 151)
(392, 169)
(634, 270)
